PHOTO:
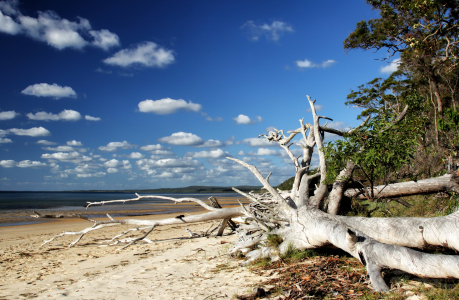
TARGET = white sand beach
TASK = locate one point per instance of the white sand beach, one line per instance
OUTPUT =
(174, 266)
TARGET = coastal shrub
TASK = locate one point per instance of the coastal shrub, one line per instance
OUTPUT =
(274, 240)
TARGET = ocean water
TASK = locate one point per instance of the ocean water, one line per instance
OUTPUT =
(16, 207)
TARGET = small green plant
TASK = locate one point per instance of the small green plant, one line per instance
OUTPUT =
(262, 262)
(441, 291)
(274, 240)
(292, 254)
(452, 204)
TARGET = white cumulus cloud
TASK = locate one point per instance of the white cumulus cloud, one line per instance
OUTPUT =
(167, 106)
(50, 28)
(264, 151)
(74, 143)
(309, 64)
(213, 144)
(8, 25)
(147, 54)
(73, 157)
(136, 155)
(217, 153)
(59, 149)
(9, 7)
(113, 163)
(21, 164)
(116, 164)
(271, 31)
(89, 118)
(245, 120)
(182, 139)
(34, 131)
(112, 170)
(152, 147)
(8, 115)
(114, 146)
(5, 140)
(104, 39)
(258, 142)
(30, 164)
(392, 67)
(49, 90)
(208, 118)
(65, 115)
(8, 163)
(184, 162)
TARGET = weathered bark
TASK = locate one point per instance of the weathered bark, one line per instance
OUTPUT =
(225, 222)
(314, 229)
(443, 183)
(339, 187)
(434, 85)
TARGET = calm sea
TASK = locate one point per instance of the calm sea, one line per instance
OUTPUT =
(15, 207)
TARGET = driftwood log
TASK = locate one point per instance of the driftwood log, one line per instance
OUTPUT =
(379, 243)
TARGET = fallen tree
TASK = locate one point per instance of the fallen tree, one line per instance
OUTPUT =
(306, 217)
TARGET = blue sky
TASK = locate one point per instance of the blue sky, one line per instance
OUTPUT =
(149, 94)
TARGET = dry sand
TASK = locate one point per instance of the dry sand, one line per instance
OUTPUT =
(168, 268)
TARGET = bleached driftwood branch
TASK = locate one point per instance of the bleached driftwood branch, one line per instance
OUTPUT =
(139, 197)
(214, 214)
(447, 182)
(296, 216)
(377, 242)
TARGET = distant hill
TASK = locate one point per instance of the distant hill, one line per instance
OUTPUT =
(288, 184)
(197, 189)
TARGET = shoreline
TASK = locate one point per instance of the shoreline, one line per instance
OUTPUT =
(173, 266)
(20, 217)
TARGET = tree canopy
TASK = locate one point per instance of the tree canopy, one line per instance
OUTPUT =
(424, 32)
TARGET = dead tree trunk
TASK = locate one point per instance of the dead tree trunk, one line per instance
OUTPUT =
(296, 216)
(447, 182)
(225, 222)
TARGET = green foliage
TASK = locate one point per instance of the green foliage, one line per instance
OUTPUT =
(381, 147)
(420, 27)
(424, 33)
(449, 121)
(381, 96)
(292, 254)
(378, 148)
(386, 97)
(262, 262)
(451, 205)
(448, 124)
(421, 206)
(274, 240)
(441, 293)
